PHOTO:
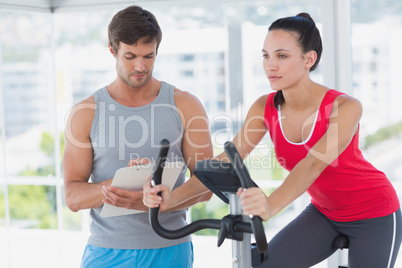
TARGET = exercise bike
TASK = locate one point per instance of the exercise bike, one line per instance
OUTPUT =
(223, 179)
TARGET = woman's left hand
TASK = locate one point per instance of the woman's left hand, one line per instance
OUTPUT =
(151, 198)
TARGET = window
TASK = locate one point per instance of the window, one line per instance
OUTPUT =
(66, 59)
(187, 58)
(27, 120)
(51, 61)
(376, 42)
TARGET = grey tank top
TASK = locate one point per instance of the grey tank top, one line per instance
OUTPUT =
(118, 134)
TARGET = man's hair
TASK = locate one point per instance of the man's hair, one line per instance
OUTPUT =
(132, 24)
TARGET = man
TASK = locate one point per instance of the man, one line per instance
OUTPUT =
(121, 125)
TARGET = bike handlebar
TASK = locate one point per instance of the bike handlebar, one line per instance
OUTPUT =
(153, 212)
(256, 224)
(246, 182)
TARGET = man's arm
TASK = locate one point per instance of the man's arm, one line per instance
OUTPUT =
(77, 160)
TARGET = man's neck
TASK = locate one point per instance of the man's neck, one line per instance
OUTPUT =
(130, 96)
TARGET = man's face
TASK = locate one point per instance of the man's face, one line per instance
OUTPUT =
(134, 63)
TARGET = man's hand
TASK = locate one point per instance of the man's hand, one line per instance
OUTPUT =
(122, 198)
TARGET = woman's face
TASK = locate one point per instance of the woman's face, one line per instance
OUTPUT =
(284, 62)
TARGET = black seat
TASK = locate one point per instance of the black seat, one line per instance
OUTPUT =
(341, 241)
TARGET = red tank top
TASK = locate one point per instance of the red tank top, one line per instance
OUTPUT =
(350, 188)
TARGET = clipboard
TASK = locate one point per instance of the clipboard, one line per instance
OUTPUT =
(133, 178)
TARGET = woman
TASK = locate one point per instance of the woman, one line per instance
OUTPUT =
(315, 133)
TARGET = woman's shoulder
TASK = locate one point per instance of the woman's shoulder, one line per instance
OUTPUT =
(347, 103)
(343, 97)
(259, 106)
(261, 102)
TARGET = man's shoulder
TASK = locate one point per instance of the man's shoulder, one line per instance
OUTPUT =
(79, 121)
(85, 104)
(178, 93)
(83, 112)
(185, 99)
(89, 100)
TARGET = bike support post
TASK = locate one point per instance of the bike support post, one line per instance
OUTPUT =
(240, 249)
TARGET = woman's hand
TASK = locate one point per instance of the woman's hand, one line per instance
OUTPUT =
(151, 198)
(254, 202)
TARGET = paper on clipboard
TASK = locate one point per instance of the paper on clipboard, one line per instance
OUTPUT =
(133, 179)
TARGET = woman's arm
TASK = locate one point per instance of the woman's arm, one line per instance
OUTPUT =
(252, 131)
(196, 145)
(193, 191)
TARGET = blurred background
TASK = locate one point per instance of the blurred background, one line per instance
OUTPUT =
(54, 54)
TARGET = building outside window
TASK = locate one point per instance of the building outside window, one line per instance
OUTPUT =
(50, 61)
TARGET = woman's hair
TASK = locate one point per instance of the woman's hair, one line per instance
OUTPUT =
(309, 39)
(132, 24)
